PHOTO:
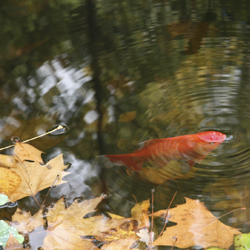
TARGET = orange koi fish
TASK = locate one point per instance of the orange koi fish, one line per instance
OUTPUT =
(191, 148)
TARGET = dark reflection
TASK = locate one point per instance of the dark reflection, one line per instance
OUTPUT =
(122, 72)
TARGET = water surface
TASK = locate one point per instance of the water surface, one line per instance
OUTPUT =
(121, 73)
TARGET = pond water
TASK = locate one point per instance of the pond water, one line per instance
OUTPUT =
(118, 73)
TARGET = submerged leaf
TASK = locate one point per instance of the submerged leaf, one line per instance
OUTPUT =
(172, 170)
(127, 117)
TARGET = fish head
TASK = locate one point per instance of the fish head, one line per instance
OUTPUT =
(210, 140)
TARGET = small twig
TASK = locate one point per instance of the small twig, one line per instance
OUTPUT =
(54, 130)
(166, 215)
(27, 181)
(152, 218)
(175, 238)
(57, 177)
(134, 198)
(242, 208)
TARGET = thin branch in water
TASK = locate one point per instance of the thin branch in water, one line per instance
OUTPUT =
(52, 131)
(152, 218)
(166, 215)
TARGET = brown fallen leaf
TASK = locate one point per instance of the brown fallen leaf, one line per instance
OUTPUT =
(195, 226)
(124, 231)
(67, 225)
(123, 244)
(127, 117)
(13, 244)
(24, 151)
(35, 177)
(25, 223)
(128, 230)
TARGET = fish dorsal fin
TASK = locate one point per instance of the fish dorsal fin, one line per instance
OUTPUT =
(149, 143)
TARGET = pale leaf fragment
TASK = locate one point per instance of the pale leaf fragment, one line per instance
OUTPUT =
(145, 235)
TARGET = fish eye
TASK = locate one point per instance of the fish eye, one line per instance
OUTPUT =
(211, 142)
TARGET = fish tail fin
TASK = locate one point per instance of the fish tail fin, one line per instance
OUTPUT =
(133, 163)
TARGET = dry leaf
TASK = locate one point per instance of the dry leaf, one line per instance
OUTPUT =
(123, 244)
(25, 223)
(23, 151)
(9, 181)
(13, 244)
(65, 226)
(35, 177)
(67, 241)
(140, 213)
(195, 226)
(124, 231)
(127, 117)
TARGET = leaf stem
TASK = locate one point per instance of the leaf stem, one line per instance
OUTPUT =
(54, 130)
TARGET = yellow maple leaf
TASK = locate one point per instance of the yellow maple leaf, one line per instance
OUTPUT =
(35, 177)
(195, 226)
(67, 225)
(25, 223)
